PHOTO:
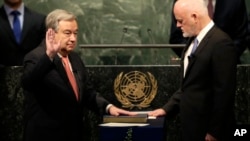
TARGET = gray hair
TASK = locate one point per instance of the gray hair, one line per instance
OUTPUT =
(195, 5)
(54, 17)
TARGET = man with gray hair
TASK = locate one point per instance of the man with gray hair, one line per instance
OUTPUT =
(56, 85)
(205, 98)
(229, 15)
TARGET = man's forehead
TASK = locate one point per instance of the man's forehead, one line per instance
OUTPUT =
(67, 22)
(70, 25)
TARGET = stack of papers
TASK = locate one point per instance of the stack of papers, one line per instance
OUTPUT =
(123, 124)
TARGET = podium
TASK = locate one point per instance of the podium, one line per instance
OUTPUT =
(154, 131)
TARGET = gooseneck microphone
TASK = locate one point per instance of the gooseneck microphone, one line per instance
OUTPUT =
(149, 31)
(154, 51)
(124, 31)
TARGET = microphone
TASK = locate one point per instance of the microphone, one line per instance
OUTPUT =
(149, 31)
(151, 39)
(125, 30)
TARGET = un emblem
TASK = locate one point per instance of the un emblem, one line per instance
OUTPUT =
(135, 89)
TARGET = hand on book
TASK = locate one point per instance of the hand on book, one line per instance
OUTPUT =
(117, 111)
(157, 113)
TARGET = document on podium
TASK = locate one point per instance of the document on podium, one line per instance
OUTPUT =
(125, 121)
(112, 124)
(145, 112)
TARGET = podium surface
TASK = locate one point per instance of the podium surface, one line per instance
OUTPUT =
(154, 131)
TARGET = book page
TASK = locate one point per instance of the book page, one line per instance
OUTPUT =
(123, 124)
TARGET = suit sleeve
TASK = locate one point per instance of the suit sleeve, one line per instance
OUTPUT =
(172, 106)
(224, 60)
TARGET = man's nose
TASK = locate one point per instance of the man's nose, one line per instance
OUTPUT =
(72, 37)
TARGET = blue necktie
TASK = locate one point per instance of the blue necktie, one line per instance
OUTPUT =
(16, 25)
(195, 45)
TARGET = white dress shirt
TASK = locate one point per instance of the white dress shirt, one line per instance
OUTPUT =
(11, 17)
(199, 37)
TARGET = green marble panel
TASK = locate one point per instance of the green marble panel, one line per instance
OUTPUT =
(120, 22)
(127, 56)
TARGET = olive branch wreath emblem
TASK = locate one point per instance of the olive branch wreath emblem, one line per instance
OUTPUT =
(138, 78)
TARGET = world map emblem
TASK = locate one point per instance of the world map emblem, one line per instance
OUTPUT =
(135, 89)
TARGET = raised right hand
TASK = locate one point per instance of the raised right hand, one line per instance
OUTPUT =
(52, 45)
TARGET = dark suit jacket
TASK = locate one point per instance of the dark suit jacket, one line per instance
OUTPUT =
(33, 33)
(248, 33)
(230, 16)
(52, 111)
(206, 96)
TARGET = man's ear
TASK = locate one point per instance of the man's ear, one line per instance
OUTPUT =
(194, 16)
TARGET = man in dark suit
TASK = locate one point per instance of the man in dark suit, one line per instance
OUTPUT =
(205, 98)
(54, 103)
(32, 26)
(230, 16)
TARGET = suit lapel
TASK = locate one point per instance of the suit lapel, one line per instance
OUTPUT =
(183, 56)
(5, 24)
(26, 23)
(202, 44)
(60, 67)
(62, 72)
(74, 65)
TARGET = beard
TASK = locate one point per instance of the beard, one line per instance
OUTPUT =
(185, 34)
(190, 32)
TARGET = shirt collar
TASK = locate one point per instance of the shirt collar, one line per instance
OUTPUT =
(60, 56)
(204, 31)
(9, 9)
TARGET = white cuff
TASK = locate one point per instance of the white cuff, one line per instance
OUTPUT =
(107, 108)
